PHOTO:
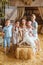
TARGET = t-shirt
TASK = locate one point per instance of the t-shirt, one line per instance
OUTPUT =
(8, 31)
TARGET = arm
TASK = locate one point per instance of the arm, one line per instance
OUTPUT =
(35, 26)
(3, 33)
(13, 33)
(20, 31)
(30, 33)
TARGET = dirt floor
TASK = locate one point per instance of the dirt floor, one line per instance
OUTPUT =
(10, 60)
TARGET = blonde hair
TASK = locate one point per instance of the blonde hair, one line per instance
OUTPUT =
(34, 16)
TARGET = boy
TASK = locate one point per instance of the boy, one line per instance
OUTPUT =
(7, 34)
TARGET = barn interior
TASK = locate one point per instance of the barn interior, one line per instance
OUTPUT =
(17, 10)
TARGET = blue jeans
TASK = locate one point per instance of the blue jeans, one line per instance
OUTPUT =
(7, 41)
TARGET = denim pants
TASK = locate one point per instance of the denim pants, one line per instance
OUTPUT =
(7, 41)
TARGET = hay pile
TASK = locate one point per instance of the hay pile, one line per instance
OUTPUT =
(24, 53)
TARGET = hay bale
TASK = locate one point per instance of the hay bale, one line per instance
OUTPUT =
(17, 53)
(29, 53)
(23, 53)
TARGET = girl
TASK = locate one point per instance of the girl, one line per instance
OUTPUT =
(35, 29)
(16, 32)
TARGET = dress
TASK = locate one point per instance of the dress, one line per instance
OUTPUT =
(30, 32)
(16, 36)
(28, 39)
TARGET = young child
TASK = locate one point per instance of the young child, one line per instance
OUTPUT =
(26, 38)
(16, 32)
(7, 34)
(30, 31)
(29, 27)
(35, 29)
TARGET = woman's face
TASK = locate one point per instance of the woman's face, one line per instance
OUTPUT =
(23, 21)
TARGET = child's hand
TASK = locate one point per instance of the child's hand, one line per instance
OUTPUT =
(3, 34)
(30, 34)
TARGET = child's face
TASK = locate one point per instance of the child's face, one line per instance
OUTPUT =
(29, 23)
(24, 22)
(17, 24)
(7, 23)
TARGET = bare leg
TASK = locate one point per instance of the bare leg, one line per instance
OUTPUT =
(21, 42)
(38, 44)
(6, 50)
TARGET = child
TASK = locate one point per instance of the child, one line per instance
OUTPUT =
(30, 31)
(26, 37)
(7, 34)
(29, 27)
(16, 32)
(35, 29)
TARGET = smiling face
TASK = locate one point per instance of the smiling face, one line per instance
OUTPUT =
(29, 23)
(7, 23)
(33, 17)
(23, 22)
(17, 24)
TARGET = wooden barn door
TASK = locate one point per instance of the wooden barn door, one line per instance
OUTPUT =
(20, 12)
(41, 13)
